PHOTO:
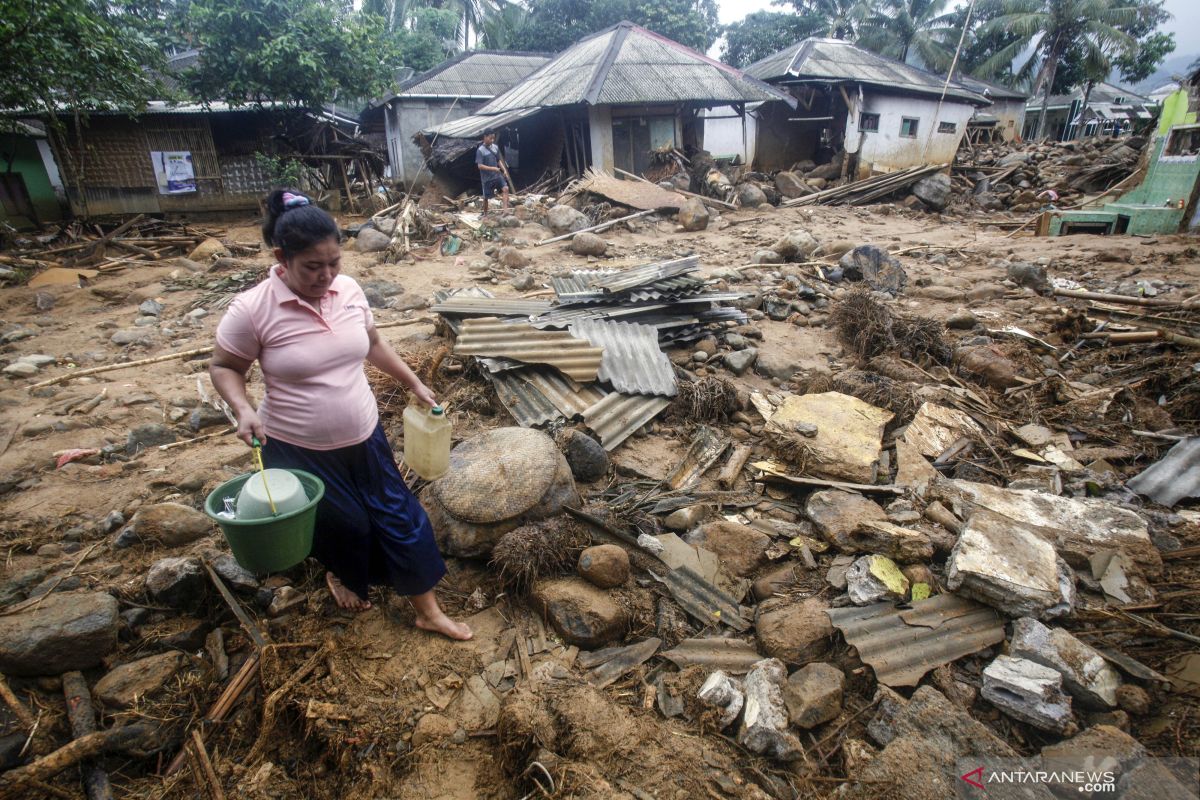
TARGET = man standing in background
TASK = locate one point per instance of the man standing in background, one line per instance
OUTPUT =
(491, 169)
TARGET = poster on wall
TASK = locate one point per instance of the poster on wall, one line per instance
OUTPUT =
(173, 171)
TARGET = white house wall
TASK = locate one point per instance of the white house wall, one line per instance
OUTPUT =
(1010, 115)
(725, 137)
(886, 150)
(407, 116)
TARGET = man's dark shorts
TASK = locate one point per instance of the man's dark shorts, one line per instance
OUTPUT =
(494, 186)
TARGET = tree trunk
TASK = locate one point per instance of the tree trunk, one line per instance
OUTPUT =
(1051, 69)
(1087, 94)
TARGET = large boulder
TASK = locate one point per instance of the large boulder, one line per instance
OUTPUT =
(124, 686)
(564, 219)
(582, 614)
(797, 245)
(512, 258)
(370, 240)
(498, 481)
(790, 185)
(933, 191)
(739, 548)
(177, 583)
(794, 631)
(170, 524)
(749, 195)
(63, 632)
(588, 244)
(874, 265)
(693, 216)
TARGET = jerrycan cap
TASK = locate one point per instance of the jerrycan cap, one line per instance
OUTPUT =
(437, 411)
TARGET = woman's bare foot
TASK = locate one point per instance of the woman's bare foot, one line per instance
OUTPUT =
(440, 623)
(344, 597)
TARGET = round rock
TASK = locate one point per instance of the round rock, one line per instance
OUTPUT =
(605, 565)
(587, 458)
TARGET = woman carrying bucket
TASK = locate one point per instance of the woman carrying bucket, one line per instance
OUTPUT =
(310, 329)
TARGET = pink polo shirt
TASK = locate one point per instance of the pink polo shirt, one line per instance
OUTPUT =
(312, 363)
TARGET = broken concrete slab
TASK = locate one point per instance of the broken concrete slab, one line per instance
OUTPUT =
(923, 740)
(999, 562)
(912, 470)
(1087, 676)
(1100, 748)
(1078, 528)
(875, 578)
(849, 433)
(1027, 691)
(813, 694)
(765, 717)
(935, 428)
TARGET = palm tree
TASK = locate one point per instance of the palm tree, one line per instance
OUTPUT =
(900, 28)
(840, 19)
(1054, 28)
(498, 31)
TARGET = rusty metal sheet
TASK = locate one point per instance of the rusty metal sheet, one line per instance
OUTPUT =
(489, 336)
(615, 418)
(539, 395)
(732, 655)
(703, 601)
(903, 643)
(633, 362)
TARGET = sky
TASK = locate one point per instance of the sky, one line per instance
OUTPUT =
(1185, 24)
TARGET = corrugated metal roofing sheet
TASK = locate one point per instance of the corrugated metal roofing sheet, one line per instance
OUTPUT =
(490, 306)
(632, 362)
(615, 418)
(473, 126)
(489, 336)
(628, 279)
(539, 395)
(732, 655)
(840, 60)
(479, 73)
(1174, 477)
(903, 643)
(627, 64)
(578, 289)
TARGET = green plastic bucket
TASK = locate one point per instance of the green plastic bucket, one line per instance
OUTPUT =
(273, 543)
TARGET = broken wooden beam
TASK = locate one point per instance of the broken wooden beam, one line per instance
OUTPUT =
(594, 228)
(88, 746)
(82, 717)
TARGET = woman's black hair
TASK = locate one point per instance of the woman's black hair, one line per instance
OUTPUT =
(294, 223)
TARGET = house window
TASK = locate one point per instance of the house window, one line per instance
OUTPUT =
(908, 127)
(947, 127)
(868, 121)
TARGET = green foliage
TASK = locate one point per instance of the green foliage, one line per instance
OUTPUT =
(900, 28)
(1152, 46)
(981, 41)
(498, 31)
(81, 54)
(429, 40)
(299, 52)
(554, 25)
(763, 33)
(840, 19)
(282, 171)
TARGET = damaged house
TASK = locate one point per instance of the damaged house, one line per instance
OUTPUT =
(858, 111)
(606, 103)
(1168, 198)
(1110, 111)
(1003, 120)
(454, 89)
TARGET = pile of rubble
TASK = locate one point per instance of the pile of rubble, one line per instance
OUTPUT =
(1025, 177)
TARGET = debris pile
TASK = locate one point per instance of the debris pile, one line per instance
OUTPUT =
(1028, 176)
(594, 354)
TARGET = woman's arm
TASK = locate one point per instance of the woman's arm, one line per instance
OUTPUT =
(228, 373)
(382, 355)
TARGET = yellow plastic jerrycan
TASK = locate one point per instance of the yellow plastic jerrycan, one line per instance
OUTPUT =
(426, 441)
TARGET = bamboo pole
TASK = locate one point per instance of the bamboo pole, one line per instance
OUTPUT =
(594, 228)
(1148, 302)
